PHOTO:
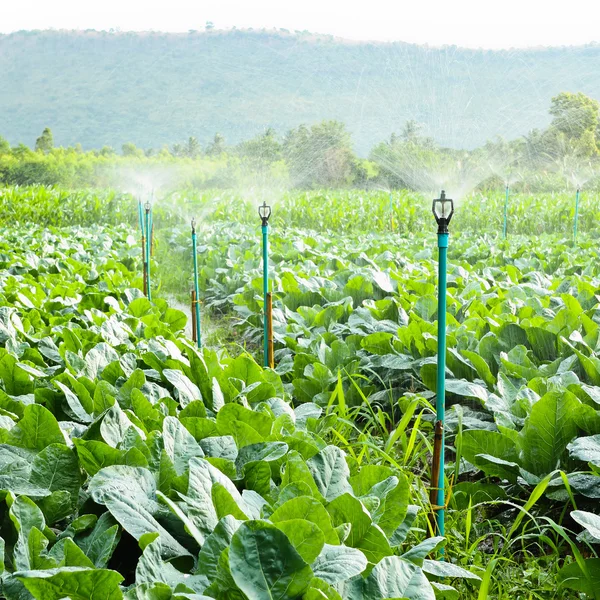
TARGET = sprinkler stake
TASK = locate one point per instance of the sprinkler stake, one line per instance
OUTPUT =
(194, 320)
(147, 255)
(264, 212)
(270, 350)
(577, 195)
(391, 212)
(442, 218)
(143, 232)
(505, 212)
(196, 323)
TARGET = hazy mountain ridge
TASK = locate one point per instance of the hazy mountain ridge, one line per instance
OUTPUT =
(101, 88)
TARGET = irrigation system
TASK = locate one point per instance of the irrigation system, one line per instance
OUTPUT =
(264, 212)
(506, 196)
(196, 329)
(443, 209)
(577, 196)
(148, 250)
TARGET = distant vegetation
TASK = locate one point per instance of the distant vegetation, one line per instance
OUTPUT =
(101, 88)
(565, 154)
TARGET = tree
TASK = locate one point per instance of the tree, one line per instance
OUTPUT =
(411, 131)
(320, 156)
(130, 149)
(217, 146)
(574, 114)
(193, 148)
(261, 152)
(4, 146)
(45, 142)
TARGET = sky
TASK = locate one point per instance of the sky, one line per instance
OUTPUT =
(470, 23)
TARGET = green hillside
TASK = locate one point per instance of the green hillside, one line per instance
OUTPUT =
(101, 88)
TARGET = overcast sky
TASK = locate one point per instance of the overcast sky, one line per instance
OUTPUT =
(472, 23)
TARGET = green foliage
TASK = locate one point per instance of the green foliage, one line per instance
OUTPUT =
(45, 142)
(241, 82)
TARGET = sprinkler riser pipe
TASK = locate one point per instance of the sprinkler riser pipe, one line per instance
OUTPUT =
(198, 335)
(271, 351)
(576, 214)
(148, 278)
(141, 216)
(265, 249)
(440, 403)
(194, 330)
(504, 230)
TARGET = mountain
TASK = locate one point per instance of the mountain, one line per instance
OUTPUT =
(107, 88)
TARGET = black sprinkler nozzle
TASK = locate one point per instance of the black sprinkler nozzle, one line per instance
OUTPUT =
(193, 225)
(443, 219)
(147, 206)
(264, 212)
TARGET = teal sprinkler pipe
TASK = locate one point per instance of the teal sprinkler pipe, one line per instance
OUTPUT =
(505, 211)
(148, 248)
(196, 300)
(264, 212)
(577, 195)
(141, 215)
(437, 495)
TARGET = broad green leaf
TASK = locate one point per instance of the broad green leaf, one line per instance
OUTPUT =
(339, 563)
(187, 391)
(586, 449)
(265, 565)
(310, 509)
(76, 583)
(306, 537)
(179, 444)
(330, 472)
(572, 577)
(548, 430)
(129, 494)
(589, 521)
(37, 429)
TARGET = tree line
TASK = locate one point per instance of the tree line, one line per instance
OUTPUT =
(322, 155)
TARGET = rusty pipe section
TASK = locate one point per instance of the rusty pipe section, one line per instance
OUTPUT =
(271, 341)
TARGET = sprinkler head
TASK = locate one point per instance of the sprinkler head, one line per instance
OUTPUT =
(147, 206)
(444, 216)
(264, 212)
(193, 225)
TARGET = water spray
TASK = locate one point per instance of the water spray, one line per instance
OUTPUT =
(437, 496)
(264, 212)
(148, 249)
(506, 195)
(577, 195)
(196, 335)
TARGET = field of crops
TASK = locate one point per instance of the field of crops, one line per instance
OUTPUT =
(134, 465)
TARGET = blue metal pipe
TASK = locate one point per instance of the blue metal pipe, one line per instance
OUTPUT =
(440, 403)
(196, 288)
(265, 249)
(141, 216)
(148, 244)
(505, 212)
(576, 214)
